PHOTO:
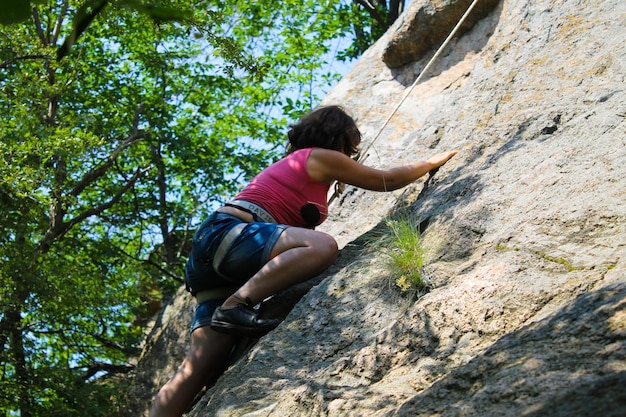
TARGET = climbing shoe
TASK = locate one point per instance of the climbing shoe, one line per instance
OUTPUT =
(241, 320)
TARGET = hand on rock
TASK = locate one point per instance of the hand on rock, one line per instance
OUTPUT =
(441, 158)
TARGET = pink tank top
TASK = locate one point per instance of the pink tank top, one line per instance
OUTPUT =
(288, 193)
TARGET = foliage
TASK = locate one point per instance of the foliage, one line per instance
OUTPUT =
(121, 130)
(373, 18)
(406, 255)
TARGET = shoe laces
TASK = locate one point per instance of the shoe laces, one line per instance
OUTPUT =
(249, 303)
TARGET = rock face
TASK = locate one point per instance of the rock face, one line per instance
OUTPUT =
(524, 230)
(426, 24)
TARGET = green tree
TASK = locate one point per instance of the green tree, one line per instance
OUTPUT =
(369, 19)
(121, 130)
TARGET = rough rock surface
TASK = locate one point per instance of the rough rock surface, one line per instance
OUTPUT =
(525, 231)
(426, 24)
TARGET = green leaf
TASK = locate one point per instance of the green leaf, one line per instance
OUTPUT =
(160, 13)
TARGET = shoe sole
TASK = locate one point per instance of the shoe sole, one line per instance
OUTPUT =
(229, 328)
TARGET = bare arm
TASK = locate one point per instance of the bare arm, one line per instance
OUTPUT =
(326, 165)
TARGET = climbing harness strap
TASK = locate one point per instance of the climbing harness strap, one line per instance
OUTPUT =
(224, 246)
(259, 213)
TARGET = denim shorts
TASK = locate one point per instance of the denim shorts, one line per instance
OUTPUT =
(241, 257)
(204, 313)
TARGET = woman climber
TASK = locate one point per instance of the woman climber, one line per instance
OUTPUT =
(263, 241)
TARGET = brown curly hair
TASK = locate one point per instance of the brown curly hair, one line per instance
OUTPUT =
(328, 127)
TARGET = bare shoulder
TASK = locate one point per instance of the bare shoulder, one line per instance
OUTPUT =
(322, 154)
(324, 163)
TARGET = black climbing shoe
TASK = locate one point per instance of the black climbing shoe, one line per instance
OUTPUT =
(241, 320)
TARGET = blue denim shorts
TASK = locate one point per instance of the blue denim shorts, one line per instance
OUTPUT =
(204, 313)
(240, 257)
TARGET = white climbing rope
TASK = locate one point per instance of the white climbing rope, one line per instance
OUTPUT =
(410, 89)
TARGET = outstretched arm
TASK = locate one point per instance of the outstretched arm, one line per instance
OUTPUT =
(327, 165)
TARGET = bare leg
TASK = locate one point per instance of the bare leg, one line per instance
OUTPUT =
(298, 255)
(205, 362)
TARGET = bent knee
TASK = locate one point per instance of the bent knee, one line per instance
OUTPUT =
(327, 248)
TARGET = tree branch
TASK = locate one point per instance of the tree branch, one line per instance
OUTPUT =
(9, 62)
(98, 172)
(149, 262)
(39, 27)
(163, 218)
(164, 271)
(396, 7)
(371, 9)
(62, 228)
(116, 198)
(58, 227)
(56, 32)
(96, 367)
